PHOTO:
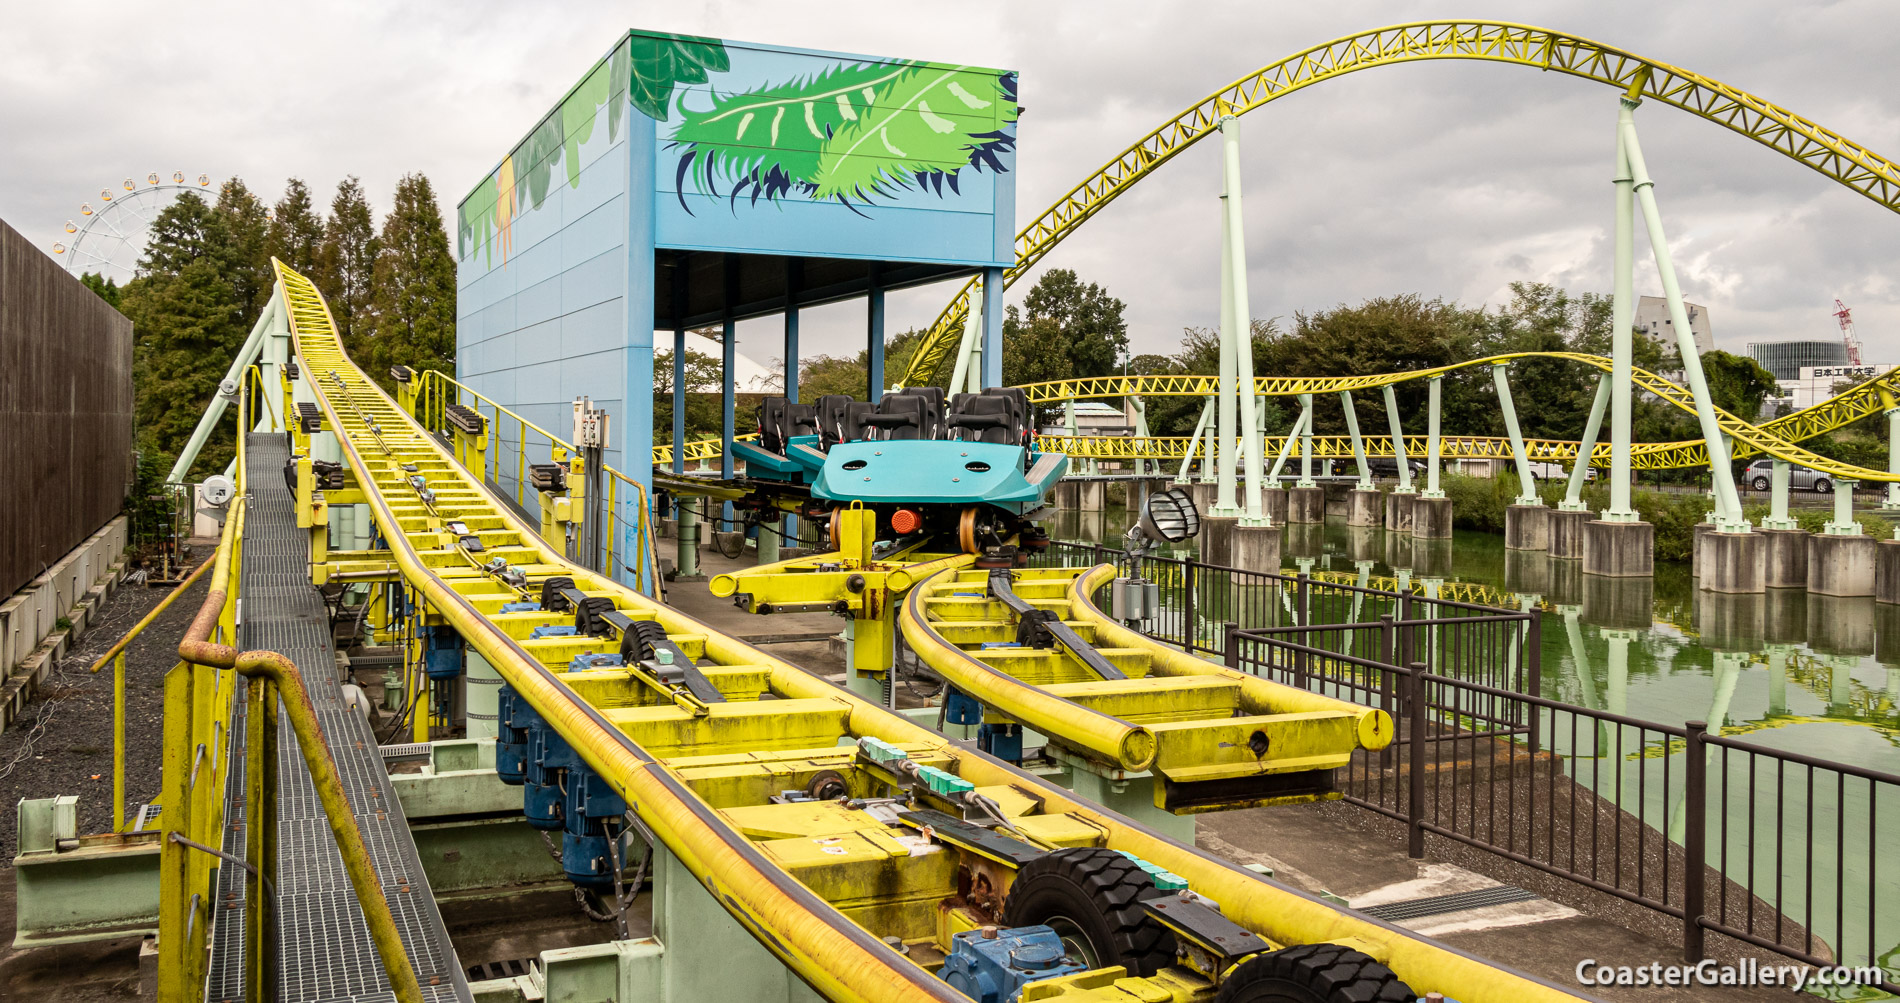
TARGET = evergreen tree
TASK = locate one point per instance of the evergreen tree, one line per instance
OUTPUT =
(247, 225)
(295, 234)
(107, 289)
(413, 313)
(189, 322)
(347, 262)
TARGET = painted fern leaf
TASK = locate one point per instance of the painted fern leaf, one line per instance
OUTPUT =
(660, 62)
(921, 130)
(767, 142)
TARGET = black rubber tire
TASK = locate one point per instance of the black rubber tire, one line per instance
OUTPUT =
(1823, 486)
(1097, 892)
(1314, 973)
(1762, 484)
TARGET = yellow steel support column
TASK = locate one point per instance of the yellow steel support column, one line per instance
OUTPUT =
(178, 917)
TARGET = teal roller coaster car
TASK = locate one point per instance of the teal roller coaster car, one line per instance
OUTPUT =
(968, 470)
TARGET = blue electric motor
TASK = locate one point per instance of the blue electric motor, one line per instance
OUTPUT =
(515, 720)
(994, 970)
(584, 853)
(549, 760)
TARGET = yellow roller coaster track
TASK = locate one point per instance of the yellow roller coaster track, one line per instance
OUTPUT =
(1775, 438)
(699, 773)
(1821, 149)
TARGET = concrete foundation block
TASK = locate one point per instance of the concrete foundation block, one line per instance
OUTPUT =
(1398, 511)
(1363, 507)
(1306, 505)
(1431, 518)
(1785, 565)
(1204, 493)
(1732, 562)
(1258, 548)
(1887, 572)
(1702, 529)
(1217, 540)
(1091, 496)
(1527, 527)
(1619, 549)
(1273, 502)
(1841, 565)
(1566, 535)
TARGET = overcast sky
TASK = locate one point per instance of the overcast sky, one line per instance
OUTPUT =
(1446, 179)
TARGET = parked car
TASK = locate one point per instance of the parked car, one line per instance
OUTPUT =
(1761, 473)
(1388, 466)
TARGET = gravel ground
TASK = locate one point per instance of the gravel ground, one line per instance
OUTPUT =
(62, 743)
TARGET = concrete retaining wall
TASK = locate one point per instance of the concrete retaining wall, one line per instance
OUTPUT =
(31, 640)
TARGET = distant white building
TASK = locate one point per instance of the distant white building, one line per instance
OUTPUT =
(1091, 418)
(1816, 384)
(1652, 318)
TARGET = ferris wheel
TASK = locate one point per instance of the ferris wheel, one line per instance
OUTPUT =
(109, 237)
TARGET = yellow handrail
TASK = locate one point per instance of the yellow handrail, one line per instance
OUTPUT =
(436, 410)
(116, 656)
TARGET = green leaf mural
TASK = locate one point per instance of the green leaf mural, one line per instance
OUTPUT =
(770, 138)
(927, 122)
(851, 133)
(659, 62)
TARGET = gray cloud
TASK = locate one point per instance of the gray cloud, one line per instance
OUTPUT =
(1450, 179)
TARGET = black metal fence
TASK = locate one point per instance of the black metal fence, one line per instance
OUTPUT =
(1772, 848)
(1775, 849)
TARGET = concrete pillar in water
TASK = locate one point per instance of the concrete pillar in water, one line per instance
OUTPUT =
(1733, 562)
(1564, 528)
(1615, 549)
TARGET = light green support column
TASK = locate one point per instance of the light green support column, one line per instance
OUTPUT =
(1729, 517)
(1286, 448)
(972, 342)
(1398, 442)
(1239, 313)
(1892, 501)
(233, 377)
(1358, 444)
(1181, 476)
(1306, 441)
(1843, 523)
(768, 541)
(1432, 446)
(1579, 471)
(1141, 433)
(1527, 488)
(1622, 333)
(1778, 499)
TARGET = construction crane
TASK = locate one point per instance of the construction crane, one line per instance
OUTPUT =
(1846, 318)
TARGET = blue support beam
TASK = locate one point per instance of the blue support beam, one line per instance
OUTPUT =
(874, 335)
(992, 327)
(794, 275)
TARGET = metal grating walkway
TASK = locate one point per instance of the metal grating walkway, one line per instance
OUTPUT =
(1437, 905)
(324, 953)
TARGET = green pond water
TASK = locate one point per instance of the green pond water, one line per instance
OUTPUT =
(1786, 671)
